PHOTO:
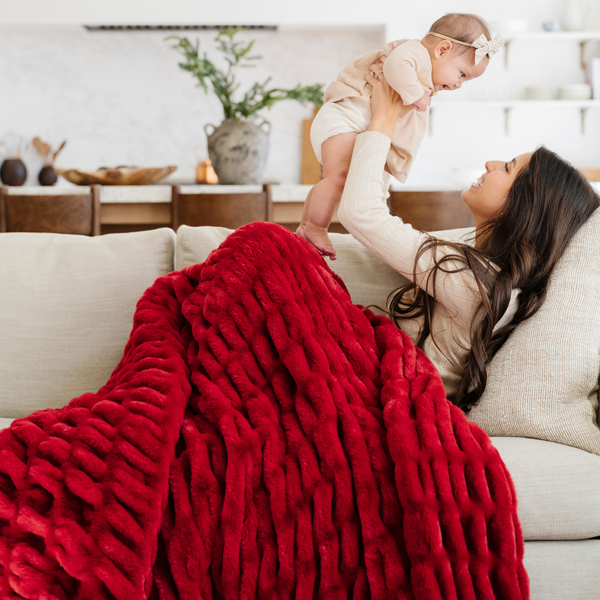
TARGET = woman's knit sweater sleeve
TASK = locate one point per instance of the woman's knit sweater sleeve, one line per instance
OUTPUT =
(365, 214)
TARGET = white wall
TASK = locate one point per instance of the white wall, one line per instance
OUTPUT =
(119, 98)
(277, 12)
(397, 14)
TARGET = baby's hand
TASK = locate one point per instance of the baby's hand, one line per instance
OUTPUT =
(423, 102)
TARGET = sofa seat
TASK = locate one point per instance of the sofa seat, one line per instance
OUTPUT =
(558, 488)
(563, 570)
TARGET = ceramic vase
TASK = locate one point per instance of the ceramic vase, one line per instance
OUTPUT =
(13, 172)
(575, 14)
(238, 150)
(47, 176)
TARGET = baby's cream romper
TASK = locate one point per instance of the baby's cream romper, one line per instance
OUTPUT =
(347, 107)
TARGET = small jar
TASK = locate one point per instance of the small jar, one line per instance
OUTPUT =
(13, 172)
(47, 175)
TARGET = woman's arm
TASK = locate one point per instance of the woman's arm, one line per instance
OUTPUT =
(365, 214)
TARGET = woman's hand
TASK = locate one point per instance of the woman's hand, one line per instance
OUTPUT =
(386, 104)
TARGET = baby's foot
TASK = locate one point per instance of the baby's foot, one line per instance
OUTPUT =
(318, 237)
(300, 230)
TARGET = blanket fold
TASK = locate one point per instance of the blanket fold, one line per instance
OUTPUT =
(262, 437)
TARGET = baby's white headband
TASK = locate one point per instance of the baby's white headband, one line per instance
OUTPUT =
(482, 45)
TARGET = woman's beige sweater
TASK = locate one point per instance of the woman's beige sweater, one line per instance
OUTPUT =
(364, 213)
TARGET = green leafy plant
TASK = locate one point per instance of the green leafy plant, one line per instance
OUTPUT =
(224, 84)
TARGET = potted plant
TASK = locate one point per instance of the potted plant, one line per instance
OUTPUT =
(238, 147)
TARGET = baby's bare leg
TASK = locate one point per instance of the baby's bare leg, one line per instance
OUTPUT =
(326, 195)
(306, 209)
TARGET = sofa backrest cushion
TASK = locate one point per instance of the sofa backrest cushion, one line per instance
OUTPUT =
(369, 279)
(67, 308)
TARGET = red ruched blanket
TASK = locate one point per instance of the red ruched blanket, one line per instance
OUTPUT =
(261, 437)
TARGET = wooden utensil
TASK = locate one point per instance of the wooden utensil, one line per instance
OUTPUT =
(42, 148)
(57, 152)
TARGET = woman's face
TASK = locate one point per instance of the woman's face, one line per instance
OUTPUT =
(487, 196)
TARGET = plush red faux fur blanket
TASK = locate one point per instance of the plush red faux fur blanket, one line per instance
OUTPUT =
(261, 438)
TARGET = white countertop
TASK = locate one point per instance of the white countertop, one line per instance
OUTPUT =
(162, 193)
(123, 194)
(117, 194)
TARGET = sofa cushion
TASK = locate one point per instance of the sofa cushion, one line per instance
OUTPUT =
(67, 308)
(194, 244)
(543, 382)
(558, 488)
(369, 279)
(563, 570)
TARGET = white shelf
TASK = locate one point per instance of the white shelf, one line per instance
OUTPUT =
(553, 35)
(550, 36)
(517, 104)
(508, 105)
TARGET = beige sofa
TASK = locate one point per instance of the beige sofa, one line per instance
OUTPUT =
(66, 306)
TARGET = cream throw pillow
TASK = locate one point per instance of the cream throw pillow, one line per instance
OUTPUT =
(543, 382)
(67, 309)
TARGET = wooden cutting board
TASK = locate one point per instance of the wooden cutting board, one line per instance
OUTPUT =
(310, 168)
(591, 174)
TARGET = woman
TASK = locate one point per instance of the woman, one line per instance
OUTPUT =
(467, 297)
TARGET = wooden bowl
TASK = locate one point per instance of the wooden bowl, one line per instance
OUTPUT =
(117, 176)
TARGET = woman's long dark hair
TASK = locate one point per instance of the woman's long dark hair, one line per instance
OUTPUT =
(546, 205)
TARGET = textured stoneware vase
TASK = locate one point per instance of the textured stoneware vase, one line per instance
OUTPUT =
(238, 150)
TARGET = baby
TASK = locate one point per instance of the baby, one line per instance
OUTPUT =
(456, 49)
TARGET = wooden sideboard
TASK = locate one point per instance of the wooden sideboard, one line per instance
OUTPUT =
(431, 211)
(135, 208)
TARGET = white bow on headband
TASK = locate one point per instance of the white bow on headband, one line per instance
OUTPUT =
(484, 47)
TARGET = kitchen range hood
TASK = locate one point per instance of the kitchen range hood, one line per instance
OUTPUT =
(130, 28)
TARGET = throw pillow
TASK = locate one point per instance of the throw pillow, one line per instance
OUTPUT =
(543, 382)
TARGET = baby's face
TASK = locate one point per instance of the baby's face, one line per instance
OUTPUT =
(451, 70)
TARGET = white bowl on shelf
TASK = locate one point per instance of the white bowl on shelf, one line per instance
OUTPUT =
(540, 92)
(552, 26)
(575, 91)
